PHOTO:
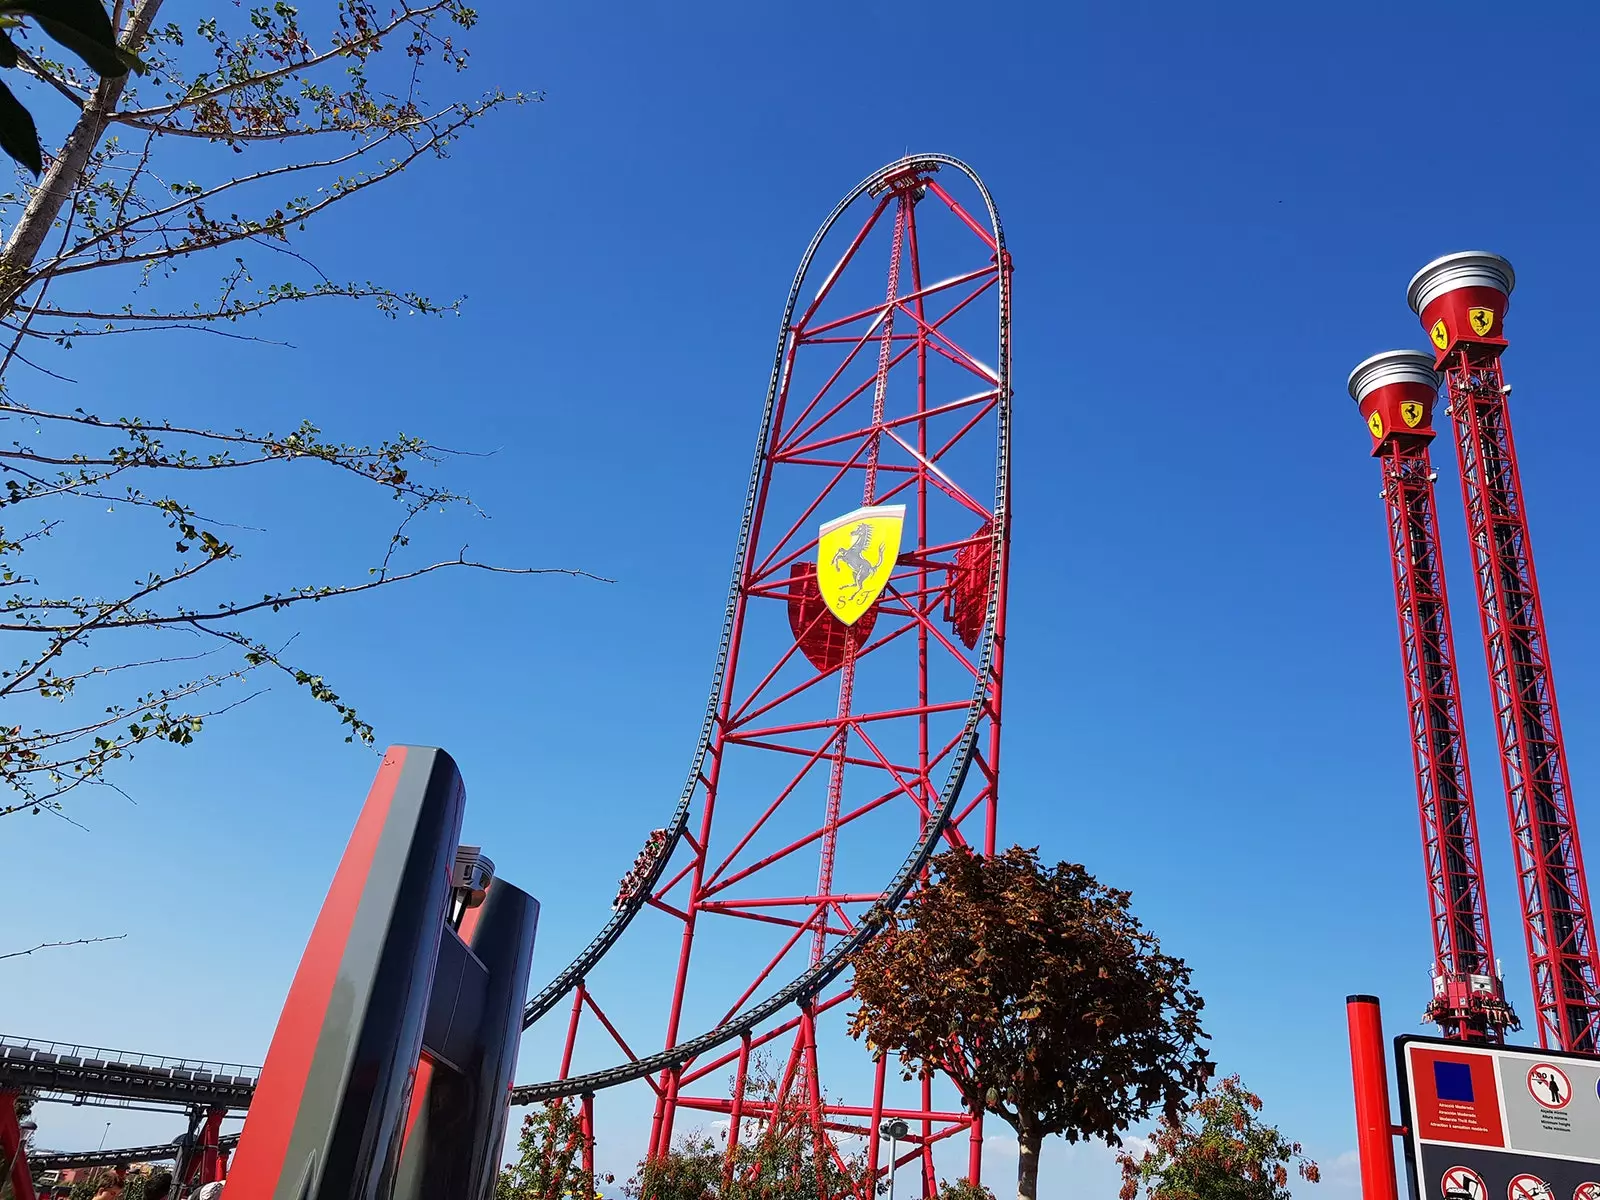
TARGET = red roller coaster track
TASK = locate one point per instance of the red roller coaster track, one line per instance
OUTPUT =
(835, 760)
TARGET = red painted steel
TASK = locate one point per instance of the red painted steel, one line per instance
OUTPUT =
(1370, 1072)
(883, 398)
(276, 1103)
(1396, 393)
(1462, 943)
(1558, 919)
(13, 1154)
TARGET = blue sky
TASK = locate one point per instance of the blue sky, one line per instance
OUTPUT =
(1213, 218)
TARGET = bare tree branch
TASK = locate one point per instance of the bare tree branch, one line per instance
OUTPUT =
(56, 945)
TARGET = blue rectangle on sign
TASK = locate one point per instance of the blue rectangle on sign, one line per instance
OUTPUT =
(1452, 1081)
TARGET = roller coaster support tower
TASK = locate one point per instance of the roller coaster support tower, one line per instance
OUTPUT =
(1396, 392)
(853, 727)
(1462, 301)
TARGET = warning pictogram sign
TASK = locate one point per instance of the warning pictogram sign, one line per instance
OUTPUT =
(1411, 414)
(1440, 336)
(1549, 1085)
(1464, 1181)
(1528, 1187)
(1482, 320)
(1586, 1191)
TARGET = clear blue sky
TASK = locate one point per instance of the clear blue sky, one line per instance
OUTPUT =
(1213, 218)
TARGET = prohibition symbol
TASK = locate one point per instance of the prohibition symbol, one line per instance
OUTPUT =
(1587, 1191)
(1529, 1187)
(1464, 1181)
(1549, 1086)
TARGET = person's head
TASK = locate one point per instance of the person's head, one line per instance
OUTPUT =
(158, 1186)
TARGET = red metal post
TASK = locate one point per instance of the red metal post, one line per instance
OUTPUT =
(586, 1131)
(12, 1152)
(210, 1160)
(1462, 300)
(1396, 392)
(975, 1150)
(1370, 1073)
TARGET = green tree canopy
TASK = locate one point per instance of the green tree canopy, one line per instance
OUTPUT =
(1222, 1150)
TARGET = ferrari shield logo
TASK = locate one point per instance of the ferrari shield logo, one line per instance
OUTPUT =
(1375, 423)
(1441, 337)
(855, 557)
(1482, 320)
(1411, 414)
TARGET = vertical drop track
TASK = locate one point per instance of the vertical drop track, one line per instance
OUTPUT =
(835, 761)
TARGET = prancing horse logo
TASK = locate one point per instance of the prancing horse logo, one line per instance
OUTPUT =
(856, 554)
(854, 557)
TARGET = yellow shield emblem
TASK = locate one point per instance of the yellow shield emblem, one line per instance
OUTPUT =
(1482, 320)
(855, 556)
(1441, 338)
(1375, 423)
(1411, 414)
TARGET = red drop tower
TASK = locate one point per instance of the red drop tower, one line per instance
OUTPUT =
(1396, 391)
(1462, 300)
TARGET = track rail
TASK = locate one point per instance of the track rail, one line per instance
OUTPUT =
(96, 1071)
(810, 982)
(58, 1160)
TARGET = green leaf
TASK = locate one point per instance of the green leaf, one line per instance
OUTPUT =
(88, 17)
(103, 57)
(19, 136)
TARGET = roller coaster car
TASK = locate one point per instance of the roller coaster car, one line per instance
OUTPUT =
(640, 869)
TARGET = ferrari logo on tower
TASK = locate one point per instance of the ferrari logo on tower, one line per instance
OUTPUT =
(1440, 335)
(1375, 423)
(1482, 320)
(1411, 414)
(855, 556)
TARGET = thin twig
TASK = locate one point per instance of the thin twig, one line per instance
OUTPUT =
(54, 945)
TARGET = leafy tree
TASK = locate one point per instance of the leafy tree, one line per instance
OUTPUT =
(549, 1163)
(964, 1189)
(1041, 996)
(1220, 1151)
(244, 128)
(91, 1183)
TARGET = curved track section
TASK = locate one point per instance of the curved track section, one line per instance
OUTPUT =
(58, 1160)
(897, 187)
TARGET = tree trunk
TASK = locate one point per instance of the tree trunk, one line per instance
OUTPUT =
(62, 176)
(1028, 1141)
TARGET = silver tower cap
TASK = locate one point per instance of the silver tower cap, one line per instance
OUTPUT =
(1465, 268)
(1392, 366)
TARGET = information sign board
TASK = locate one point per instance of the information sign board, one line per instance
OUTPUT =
(1499, 1122)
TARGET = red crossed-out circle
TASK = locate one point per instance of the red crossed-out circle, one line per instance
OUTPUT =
(1469, 1182)
(1529, 1187)
(1539, 1077)
(1587, 1191)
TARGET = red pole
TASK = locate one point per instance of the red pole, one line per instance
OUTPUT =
(12, 1152)
(586, 1128)
(736, 1114)
(975, 1149)
(1370, 1072)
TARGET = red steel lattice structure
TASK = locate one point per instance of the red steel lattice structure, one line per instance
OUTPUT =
(1396, 391)
(833, 757)
(1462, 301)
